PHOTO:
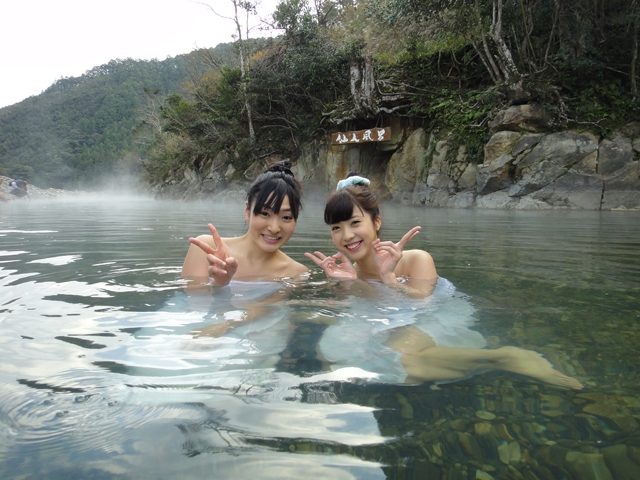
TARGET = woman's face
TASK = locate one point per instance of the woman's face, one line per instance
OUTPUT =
(270, 231)
(355, 235)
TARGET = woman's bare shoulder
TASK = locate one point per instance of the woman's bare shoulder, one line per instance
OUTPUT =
(417, 254)
(417, 264)
(291, 268)
(209, 240)
(300, 269)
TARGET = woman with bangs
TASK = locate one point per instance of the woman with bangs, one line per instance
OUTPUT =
(245, 323)
(424, 340)
(273, 203)
(353, 214)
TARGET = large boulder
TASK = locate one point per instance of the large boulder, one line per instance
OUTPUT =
(464, 199)
(213, 183)
(502, 200)
(468, 179)
(449, 181)
(495, 176)
(501, 143)
(614, 155)
(311, 165)
(432, 197)
(622, 190)
(572, 190)
(438, 178)
(405, 166)
(588, 165)
(551, 158)
(631, 129)
(495, 200)
(541, 175)
(215, 179)
(518, 118)
(526, 142)
(439, 157)
(440, 181)
(459, 165)
(398, 134)
(221, 160)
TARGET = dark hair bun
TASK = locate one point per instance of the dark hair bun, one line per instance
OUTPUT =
(283, 166)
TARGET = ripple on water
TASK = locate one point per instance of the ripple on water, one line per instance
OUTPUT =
(204, 414)
(63, 414)
(59, 260)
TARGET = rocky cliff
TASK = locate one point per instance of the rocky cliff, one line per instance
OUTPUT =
(35, 193)
(525, 166)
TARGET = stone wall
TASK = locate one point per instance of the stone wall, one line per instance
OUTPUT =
(526, 171)
(523, 168)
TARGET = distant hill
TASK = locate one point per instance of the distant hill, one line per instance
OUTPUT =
(81, 127)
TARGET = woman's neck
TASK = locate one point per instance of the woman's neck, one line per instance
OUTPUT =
(367, 267)
(252, 254)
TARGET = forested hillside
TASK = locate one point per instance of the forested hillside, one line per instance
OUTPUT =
(81, 128)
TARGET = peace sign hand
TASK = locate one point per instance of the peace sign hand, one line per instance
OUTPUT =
(222, 267)
(388, 254)
(341, 271)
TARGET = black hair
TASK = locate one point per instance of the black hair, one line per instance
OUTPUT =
(270, 188)
(339, 206)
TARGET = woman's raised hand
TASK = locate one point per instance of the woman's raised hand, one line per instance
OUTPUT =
(341, 271)
(388, 254)
(222, 267)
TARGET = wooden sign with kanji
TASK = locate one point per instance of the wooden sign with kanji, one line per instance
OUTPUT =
(362, 136)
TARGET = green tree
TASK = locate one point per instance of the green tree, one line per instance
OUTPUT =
(24, 172)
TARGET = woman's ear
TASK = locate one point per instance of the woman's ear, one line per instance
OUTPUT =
(246, 211)
(377, 223)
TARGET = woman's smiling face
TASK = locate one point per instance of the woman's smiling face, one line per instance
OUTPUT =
(270, 230)
(355, 235)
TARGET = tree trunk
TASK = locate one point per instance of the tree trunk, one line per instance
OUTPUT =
(363, 84)
(494, 71)
(511, 73)
(634, 59)
(243, 75)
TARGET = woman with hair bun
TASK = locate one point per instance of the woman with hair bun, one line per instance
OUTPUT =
(428, 339)
(242, 323)
(248, 269)
(273, 203)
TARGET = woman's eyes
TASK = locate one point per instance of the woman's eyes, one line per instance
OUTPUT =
(267, 213)
(355, 222)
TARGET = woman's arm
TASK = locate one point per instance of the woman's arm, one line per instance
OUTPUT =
(208, 257)
(251, 313)
(195, 265)
(393, 262)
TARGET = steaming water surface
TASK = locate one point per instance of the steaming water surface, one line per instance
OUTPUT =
(108, 368)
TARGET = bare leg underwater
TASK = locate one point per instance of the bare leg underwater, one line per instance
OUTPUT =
(424, 361)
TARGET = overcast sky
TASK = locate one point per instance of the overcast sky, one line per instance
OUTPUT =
(44, 40)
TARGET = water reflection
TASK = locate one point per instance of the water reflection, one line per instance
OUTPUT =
(102, 374)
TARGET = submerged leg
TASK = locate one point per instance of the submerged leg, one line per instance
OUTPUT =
(424, 361)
